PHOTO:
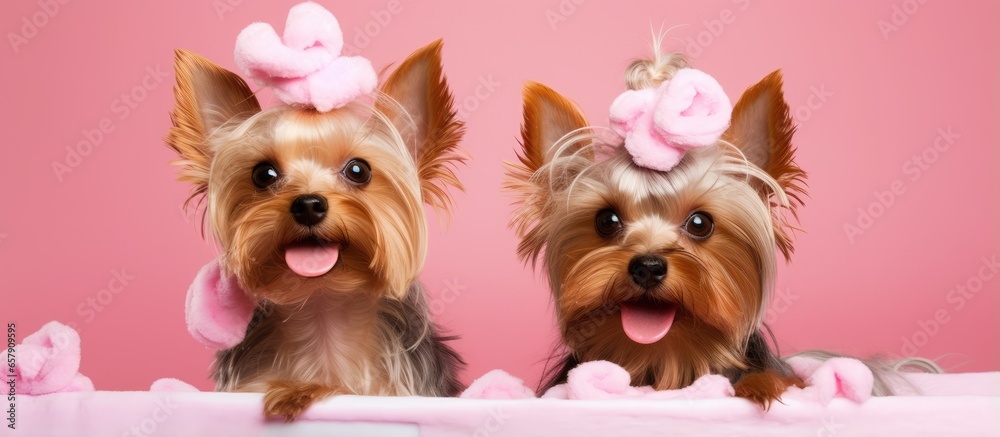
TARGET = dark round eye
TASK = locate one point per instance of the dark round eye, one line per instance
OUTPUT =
(699, 225)
(357, 171)
(608, 223)
(264, 175)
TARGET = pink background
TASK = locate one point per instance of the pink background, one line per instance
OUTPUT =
(883, 101)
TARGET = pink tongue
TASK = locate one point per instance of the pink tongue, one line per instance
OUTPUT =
(311, 260)
(647, 324)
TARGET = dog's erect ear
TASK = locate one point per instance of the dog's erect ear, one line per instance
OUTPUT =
(206, 96)
(762, 129)
(428, 125)
(548, 117)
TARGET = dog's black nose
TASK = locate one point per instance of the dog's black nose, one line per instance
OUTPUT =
(647, 270)
(309, 209)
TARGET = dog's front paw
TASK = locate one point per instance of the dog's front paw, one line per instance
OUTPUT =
(289, 399)
(765, 387)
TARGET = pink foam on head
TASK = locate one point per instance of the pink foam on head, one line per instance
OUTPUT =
(693, 110)
(659, 125)
(304, 66)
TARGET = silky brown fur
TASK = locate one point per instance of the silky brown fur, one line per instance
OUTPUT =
(437, 132)
(289, 398)
(770, 147)
(198, 110)
(765, 387)
(567, 172)
(363, 327)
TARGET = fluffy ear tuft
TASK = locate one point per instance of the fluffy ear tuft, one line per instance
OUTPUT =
(429, 125)
(548, 117)
(762, 128)
(206, 96)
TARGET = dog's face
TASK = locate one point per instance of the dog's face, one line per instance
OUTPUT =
(643, 263)
(671, 250)
(302, 201)
(314, 201)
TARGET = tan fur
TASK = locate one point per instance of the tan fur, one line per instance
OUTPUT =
(419, 87)
(334, 341)
(206, 97)
(547, 117)
(546, 114)
(717, 282)
(289, 399)
(762, 125)
(362, 327)
(568, 172)
(376, 224)
(765, 387)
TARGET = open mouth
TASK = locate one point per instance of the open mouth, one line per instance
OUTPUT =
(311, 257)
(647, 321)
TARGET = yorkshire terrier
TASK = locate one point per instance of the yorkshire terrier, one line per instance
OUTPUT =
(318, 210)
(660, 240)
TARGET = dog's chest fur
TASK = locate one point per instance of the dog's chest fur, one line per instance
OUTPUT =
(370, 347)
